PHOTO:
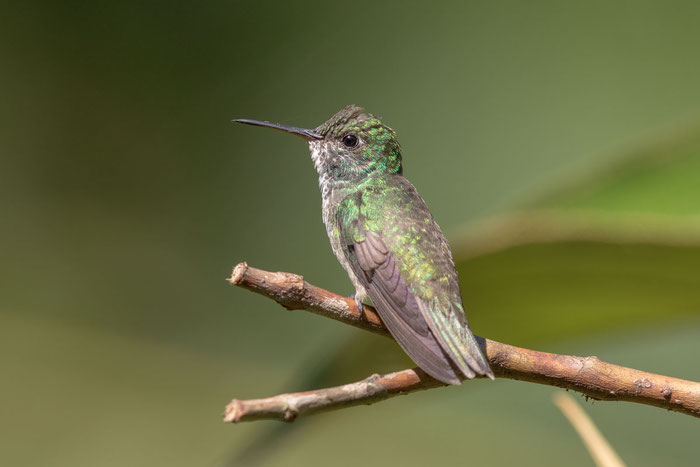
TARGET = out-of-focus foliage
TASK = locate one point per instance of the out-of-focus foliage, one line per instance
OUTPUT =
(620, 247)
(126, 196)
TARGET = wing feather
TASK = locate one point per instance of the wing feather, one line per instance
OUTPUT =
(432, 330)
(398, 307)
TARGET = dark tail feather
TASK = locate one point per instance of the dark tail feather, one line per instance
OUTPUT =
(449, 325)
(423, 349)
(475, 356)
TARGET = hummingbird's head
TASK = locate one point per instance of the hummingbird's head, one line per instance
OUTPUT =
(350, 146)
(354, 144)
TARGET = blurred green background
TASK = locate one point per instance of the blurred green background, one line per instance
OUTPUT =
(557, 144)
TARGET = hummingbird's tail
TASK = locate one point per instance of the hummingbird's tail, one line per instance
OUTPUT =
(449, 325)
(474, 355)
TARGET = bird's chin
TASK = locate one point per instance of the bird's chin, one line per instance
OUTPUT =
(316, 151)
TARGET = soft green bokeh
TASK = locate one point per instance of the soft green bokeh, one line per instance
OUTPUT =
(126, 196)
(620, 246)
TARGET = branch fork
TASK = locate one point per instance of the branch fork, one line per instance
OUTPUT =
(587, 375)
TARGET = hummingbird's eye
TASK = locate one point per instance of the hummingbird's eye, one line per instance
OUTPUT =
(350, 141)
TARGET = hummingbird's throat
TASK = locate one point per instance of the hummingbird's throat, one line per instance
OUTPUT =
(317, 155)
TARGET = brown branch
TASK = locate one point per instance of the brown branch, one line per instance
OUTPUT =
(588, 375)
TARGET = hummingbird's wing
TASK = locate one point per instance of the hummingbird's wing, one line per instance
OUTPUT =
(400, 256)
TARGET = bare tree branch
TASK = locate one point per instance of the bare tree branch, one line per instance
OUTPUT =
(588, 375)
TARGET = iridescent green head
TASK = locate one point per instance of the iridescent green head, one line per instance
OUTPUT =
(357, 142)
(350, 146)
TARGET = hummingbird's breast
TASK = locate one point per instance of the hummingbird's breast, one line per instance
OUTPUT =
(332, 193)
(331, 199)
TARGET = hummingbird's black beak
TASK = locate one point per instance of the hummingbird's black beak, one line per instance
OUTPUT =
(308, 135)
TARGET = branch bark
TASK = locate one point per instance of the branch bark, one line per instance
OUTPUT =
(588, 375)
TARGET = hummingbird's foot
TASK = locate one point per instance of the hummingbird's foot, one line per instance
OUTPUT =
(358, 302)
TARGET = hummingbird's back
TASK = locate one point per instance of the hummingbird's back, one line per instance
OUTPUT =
(391, 247)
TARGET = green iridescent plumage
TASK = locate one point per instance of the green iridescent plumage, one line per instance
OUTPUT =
(384, 236)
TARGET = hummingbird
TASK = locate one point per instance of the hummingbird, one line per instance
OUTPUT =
(386, 239)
